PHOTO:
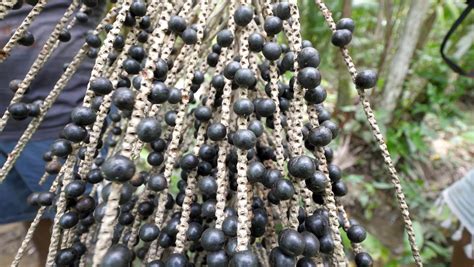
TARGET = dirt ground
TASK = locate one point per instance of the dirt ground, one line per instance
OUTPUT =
(10, 240)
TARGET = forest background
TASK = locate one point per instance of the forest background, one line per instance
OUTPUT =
(426, 111)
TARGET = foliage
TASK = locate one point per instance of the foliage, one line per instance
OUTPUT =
(431, 90)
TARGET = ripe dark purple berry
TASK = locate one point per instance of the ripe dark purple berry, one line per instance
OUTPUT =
(305, 262)
(212, 59)
(117, 256)
(363, 259)
(65, 257)
(356, 233)
(287, 62)
(177, 24)
(138, 8)
(284, 189)
(309, 77)
(90, 3)
(315, 95)
(243, 107)
(301, 167)
(118, 168)
(225, 38)
(176, 260)
(311, 244)
(212, 239)
(208, 209)
(326, 244)
(273, 25)
(243, 15)
(93, 40)
(189, 36)
(271, 51)
(331, 126)
(75, 189)
(256, 127)
(157, 182)
(161, 69)
(341, 38)
(170, 118)
(131, 66)
(317, 224)
(245, 77)
(188, 162)
(194, 231)
(271, 177)
(345, 23)
(28, 39)
(366, 79)
(148, 232)
(282, 10)
(217, 259)
(339, 188)
(230, 69)
(45, 198)
(101, 86)
(291, 242)
(82, 17)
(308, 57)
(68, 220)
(34, 108)
(216, 131)
(119, 42)
(159, 93)
(123, 98)
(278, 258)
(208, 185)
(203, 113)
(320, 136)
(335, 173)
(61, 148)
(317, 182)
(229, 226)
(256, 42)
(18, 111)
(64, 36)
(83, 116)
(265, 107)
(207, 152)
(244, 258)
(255, 172)
(136, 52)
(148, 130)
(244, 139)
(174, 96)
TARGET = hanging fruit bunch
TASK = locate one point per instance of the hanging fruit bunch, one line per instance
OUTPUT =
(221, 99)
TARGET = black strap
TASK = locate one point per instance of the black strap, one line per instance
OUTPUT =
(451, 64)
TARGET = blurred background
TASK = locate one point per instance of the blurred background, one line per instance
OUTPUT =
(426, 111)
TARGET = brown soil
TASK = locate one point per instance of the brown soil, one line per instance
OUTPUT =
(11, 236)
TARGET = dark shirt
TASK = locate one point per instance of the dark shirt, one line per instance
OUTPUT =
(18, 63)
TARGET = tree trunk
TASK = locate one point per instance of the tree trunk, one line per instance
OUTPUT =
(344, 84)
(401, 61)
(388, 11)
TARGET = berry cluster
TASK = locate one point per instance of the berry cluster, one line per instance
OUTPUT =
(199, 136)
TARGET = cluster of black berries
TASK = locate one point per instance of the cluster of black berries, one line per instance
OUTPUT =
(97, 132)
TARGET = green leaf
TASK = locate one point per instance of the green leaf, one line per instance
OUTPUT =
(354, 178)
(382, 185)
(363, 199)
(468, 136)
(419, 236)
(440, 250)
